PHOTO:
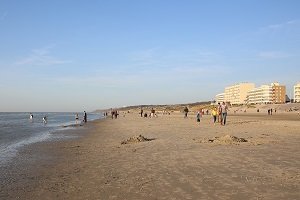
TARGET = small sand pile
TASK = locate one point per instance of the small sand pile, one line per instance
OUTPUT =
(227, 139)
(136, 139)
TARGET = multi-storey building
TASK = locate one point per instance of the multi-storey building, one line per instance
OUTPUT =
(237, 94)
(265, 94)
(260, 95)
(279, 92)
(297, 93)
(220, 98)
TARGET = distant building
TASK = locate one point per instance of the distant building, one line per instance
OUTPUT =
(279, 92)
(260, 95)
(266, 94)
(220, 98)
(237, 94)
(297, 93)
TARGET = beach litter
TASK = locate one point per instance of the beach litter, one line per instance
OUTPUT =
(136, 139)
(227, 139)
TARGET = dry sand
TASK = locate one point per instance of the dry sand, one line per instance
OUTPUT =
(164, 158)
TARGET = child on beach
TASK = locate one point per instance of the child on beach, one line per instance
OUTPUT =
(214, 113)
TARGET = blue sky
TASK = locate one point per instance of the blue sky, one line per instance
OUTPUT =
(62, 55)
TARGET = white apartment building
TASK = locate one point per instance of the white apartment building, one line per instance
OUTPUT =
(273, 93)
(297, 93)
(260, 95)
(220, 98)
(237, 94)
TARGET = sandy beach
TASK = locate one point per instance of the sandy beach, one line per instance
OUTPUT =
(179, 159)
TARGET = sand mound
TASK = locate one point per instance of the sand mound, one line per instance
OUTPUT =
(136, 139)
(227, 139)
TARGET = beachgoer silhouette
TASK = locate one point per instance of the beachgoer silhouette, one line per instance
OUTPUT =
(85, 117)
(185, 110)
(220, 113)
(152, 113)
(198, 116)
(31, 117)
(45, 119)
(76, 118)
(112, 114)
(141, 112)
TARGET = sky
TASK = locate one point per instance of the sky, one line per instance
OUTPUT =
(65, 55)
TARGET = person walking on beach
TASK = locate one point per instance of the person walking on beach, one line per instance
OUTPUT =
(214, 113)
(112, 114)
(224, 110)
(198, 116)
(85, 117)
(152, 112)
(185, 110)
(31, 117)
(219, 113)
(76, 118)
(116, 114)
(45, 119)
(141, 112)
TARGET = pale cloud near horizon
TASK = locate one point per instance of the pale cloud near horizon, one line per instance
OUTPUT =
(99, 80)
(157, 57)
(208, 70)
(119, 78)
(282, 25)
(273, 55)
(144, 54)
(145, 57)
(282, 29)
(41, 57)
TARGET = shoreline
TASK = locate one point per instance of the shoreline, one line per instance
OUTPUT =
(175, 164)
(27, 132)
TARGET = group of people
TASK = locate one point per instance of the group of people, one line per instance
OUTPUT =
(270, 111)
(114, 114)
(218, 113)
(77, 121)
(221, 112)
(45, 118)
(152, 113)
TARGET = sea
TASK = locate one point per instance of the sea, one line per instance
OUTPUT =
(18, 130)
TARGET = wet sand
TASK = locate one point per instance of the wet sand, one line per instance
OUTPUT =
(174, 164)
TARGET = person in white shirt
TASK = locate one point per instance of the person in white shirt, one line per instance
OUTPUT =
(45, 120)
(31, 116)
